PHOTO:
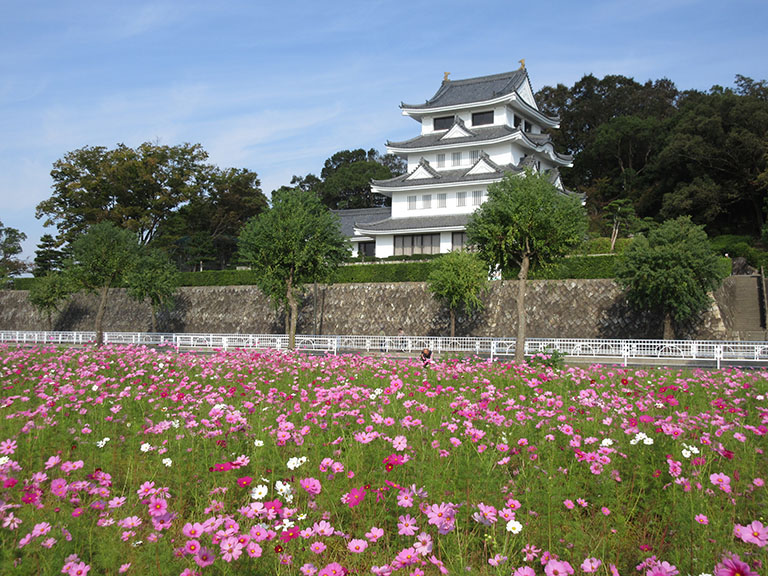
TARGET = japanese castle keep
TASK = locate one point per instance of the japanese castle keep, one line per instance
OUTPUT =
(473, 132)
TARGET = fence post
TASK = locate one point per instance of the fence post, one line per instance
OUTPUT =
(718, 354)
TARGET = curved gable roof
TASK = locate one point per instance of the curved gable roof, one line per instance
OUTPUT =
(467, 91)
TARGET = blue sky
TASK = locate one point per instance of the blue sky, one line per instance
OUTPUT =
(278, 87)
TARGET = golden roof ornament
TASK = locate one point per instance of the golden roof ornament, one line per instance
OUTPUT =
(445, 76)
(522, 64)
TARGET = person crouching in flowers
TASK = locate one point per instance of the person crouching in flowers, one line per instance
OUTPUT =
(426, 357)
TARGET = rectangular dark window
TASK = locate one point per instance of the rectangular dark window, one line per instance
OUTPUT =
(408, 245)
(441, 200)
(441, 160)
(461, 198)
(366, 249)
(482, 118)
(458, 240)
(442, 123)
(517, 120)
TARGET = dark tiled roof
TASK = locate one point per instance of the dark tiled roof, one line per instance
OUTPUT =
(349, 218)
(434, 138)
(416, 223)
(470, 90)
(448, 177)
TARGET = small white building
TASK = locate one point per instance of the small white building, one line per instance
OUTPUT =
(473, 132)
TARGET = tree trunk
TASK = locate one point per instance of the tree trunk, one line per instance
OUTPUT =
(453, 322)
(614, 234)
(153, 311)
(100, 315)
(669, 329)
(521, 280)
(293, 310)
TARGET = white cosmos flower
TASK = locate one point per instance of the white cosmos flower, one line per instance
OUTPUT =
(259, 492)
(167, 462)
(258, 443)
(146, 447)
(514, 526)
(294, 462)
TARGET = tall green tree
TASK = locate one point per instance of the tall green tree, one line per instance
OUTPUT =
(10, 248)
(670, 272)
(525, 221)
(49, 292)
(206, 228)
(345, 180)
(101, 259)
(458, 279)
(153, 277)
(49, 256)
(294, 242)
(135, 189)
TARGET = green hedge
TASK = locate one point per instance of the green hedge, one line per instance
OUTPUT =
(400, 272)
(218, 278)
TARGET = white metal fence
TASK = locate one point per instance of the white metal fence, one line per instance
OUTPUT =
(623, 351)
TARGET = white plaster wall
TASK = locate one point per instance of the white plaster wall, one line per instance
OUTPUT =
(400, 201)
(385, 246)
(446, 242)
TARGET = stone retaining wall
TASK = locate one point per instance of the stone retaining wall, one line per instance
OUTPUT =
(555, 308)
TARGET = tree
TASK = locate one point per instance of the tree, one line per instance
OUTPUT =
(152, 278)
(49, 257)
(206, 229)
(670, 272)
(294, 242)
(101, 258)
(10, 248)
(457, 279)
(622, 215)
(135, 189)
(345, 180)
(525, 221)
(48, 292)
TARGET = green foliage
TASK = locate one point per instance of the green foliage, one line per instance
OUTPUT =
(577, 267)
(48, 292)
(457, 279)
(525, 218)
(49, 257)
(295, 242)
(345, 180)
(153, 278)
(384, 272)
(10, 248)
(671, 271)
(135, 189)
(740, 247)
(204, 231)
(602, 245)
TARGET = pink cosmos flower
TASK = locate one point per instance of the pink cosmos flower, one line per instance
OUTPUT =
(353, 498)
(590, 565)
(754, 533)
(732, 565)
(721, 480)
(332, 569)
(423, 545)
(701, 519)
(497, 560)
(357, 545)
(8, 447)
(662, 569)
(253, 549)
(192, 546)
(524, 571)
(407, 526)
(311, 486)
(374, 534)
(205, 557)
(317, 547)
(79, 569)
(568, 504)
(558, 568)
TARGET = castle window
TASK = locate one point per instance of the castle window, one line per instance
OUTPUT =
(482, 118)
(477, 197)
(442, 123)
(409, 244)
(516, 121)
(474, 156)
(456, 159)
(461, 198)
(441, 160)
(441, 200)
(426, 201)
(458, 241)
(411, 202)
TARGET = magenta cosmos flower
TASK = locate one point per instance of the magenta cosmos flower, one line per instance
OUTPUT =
(731, 565)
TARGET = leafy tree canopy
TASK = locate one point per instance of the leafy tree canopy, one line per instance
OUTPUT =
(345, 180)
(135, 189)
(10, 248)
(295, 241)
(526, 220)
(458, 279)
(670, 271)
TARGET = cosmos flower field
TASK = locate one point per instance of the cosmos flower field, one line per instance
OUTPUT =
(149, 461)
